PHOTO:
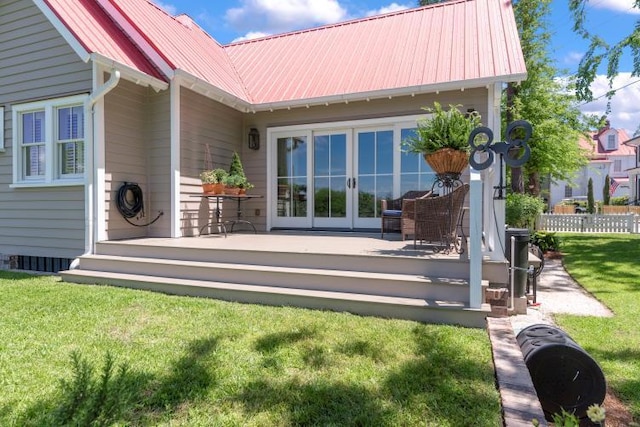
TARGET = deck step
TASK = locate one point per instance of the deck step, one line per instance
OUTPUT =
(417, 309)
(383, 284)
(376, 262)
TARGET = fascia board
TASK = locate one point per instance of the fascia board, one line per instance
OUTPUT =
(391, 93)
(62, 29)
(129, 73)
(210, 91)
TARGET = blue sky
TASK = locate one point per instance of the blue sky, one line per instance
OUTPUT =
(229, 20)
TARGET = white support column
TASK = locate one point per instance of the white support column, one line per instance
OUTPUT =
(475, 240)
(495, 209)
(175, 158)
(99, 161)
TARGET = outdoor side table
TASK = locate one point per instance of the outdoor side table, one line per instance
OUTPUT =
(221, 225)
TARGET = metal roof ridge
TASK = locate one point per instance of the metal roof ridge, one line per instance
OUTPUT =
(349, 22)
(161, 62)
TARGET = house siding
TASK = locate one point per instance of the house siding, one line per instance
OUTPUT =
(127, 154)
(203, 123)
(158, 139)
(255, 162)
(36, 64)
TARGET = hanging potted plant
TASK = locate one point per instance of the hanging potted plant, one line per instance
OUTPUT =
(213, 180)
(442, 138)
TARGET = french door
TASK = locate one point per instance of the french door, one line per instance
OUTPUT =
(336, 178)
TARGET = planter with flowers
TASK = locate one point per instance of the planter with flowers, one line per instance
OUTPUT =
(442, 139)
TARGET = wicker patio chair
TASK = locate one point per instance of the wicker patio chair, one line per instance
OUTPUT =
(437, 219)
(391, 211)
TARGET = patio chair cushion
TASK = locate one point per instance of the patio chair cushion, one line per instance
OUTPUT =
(392, 213)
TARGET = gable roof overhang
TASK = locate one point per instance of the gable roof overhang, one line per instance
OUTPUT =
(93, 36)
(129, 73)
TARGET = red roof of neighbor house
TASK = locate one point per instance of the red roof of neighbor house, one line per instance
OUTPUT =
(452, 45)
(596, 144)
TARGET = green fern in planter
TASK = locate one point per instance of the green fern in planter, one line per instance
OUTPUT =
(443, 129)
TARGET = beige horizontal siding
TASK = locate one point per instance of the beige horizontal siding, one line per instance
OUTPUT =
(204, 122)
(127, 150)
(36, 64)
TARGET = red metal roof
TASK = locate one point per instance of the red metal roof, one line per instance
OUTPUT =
(183, 44)
(97, 33)
(456, 43)
(459, 43)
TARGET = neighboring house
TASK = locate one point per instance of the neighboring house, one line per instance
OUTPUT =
(609, 155)
(95, 93)
(634, 172)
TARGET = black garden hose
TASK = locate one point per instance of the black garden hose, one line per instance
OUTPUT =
(130, 203)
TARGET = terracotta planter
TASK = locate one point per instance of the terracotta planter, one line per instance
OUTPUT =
(232, 190)
(447, 160)
(213, 188)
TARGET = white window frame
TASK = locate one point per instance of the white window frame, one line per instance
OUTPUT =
(53, 175)
(612, 142)
(2, 129)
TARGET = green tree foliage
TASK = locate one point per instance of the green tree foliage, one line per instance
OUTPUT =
(591, 205)
(606, 191)
(544, 102)
(522, 210)
(600, 52)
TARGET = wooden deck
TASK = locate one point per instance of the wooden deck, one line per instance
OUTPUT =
(356, 272)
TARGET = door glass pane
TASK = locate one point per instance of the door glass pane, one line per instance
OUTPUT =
(338, 198)
(375, 171)
(292, 176)
(330, 176)
(415, 173)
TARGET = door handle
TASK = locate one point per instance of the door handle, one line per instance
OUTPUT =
(354, 183)
(348, 182)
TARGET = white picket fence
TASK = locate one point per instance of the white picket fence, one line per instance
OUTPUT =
(590, 223)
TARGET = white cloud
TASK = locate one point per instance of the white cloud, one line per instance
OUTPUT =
(274, 16)
(169, 8)
(250, 36)
(625, 105)
(393, 7)
(625, 6)
(572, 58)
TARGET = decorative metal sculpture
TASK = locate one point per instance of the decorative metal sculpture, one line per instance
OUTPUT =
(514, 151)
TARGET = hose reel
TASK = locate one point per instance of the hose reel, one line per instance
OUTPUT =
(130, 203)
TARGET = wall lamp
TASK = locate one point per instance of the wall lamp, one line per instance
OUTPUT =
(254, 139)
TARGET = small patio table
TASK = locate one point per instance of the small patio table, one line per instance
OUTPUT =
(218, 213)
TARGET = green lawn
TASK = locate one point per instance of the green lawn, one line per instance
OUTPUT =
(195, 362)
(608, 266)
